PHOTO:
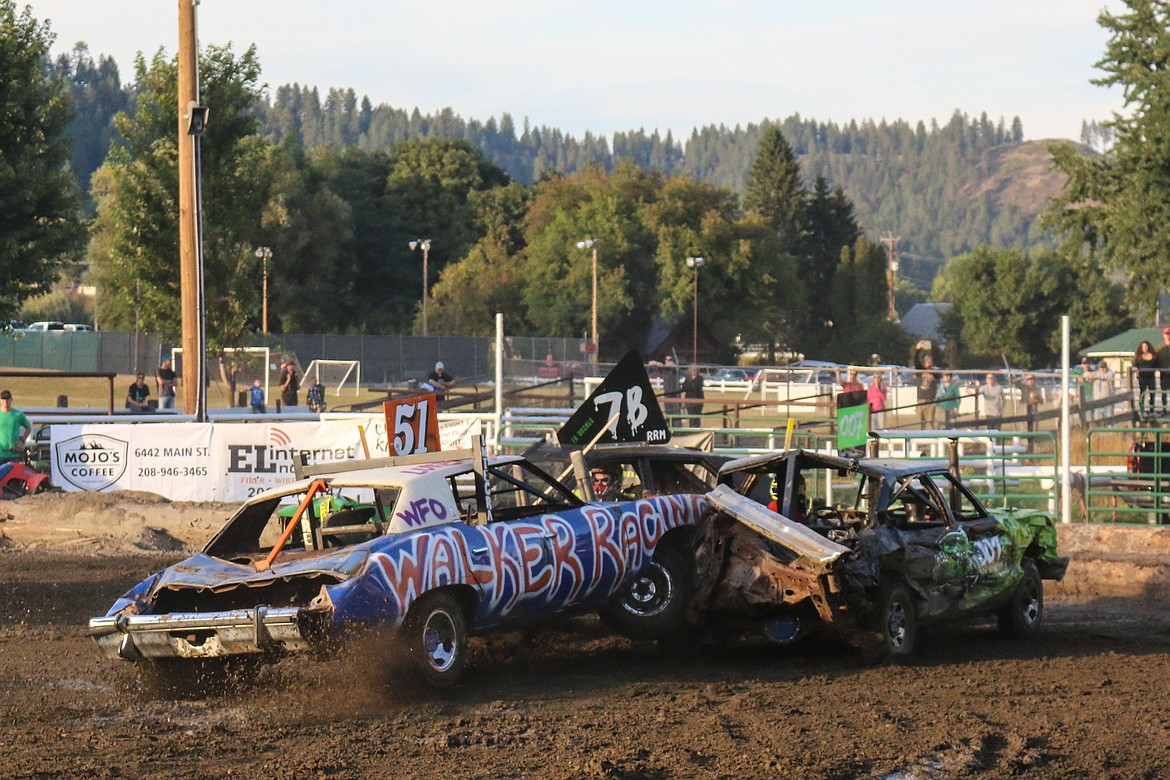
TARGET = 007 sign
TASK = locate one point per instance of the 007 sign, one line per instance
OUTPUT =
(412, 425)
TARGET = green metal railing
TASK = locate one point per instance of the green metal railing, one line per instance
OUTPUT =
(1127, 484)
(1017, 469)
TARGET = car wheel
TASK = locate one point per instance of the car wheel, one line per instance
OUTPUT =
(1022, 616)
(435, 633)
(654, 605)
(896, 623)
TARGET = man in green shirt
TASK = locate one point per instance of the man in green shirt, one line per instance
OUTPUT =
(14, 429)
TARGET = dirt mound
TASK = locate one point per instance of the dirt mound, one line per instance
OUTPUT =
(126, 521)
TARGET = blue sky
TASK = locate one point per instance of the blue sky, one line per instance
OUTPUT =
(608, 66)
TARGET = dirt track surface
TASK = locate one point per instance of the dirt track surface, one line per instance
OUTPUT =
(1086, 699)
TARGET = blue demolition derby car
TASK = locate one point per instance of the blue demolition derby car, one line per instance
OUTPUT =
(436, 547)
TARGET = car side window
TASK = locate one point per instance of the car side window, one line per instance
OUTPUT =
(916, 505)
(518, 492)
(669, 477)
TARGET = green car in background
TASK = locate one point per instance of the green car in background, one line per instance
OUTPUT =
(867, 548)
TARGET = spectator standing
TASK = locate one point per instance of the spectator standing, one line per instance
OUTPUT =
(948, 399)
(256, 397)
(875, 395)
(440, 381)
(1164, 364)
(1102, 389)
(14, 429)
(1145, 362)
(1032, 395)
(927, 392)
(850, 385)
(991, 394)
(166, 379)
(670, 378)
(1083, 374)
(289, 382)
(692, 389)
(137, 396)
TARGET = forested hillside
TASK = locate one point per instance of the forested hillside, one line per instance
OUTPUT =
(944, 189)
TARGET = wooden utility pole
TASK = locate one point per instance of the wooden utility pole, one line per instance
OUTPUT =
(188, 226)
(891, 241)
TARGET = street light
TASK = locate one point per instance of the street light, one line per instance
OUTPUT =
(425, 245)
(264, 254)
(695, 263)
(591, 243)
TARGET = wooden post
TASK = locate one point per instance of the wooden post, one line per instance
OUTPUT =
(188, 231)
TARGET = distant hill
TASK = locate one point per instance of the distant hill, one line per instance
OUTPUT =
(944, 189)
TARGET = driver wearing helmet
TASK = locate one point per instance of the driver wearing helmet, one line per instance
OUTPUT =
(799, 502)
(607, 483)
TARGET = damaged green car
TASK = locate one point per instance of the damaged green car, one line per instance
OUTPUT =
(883, 547)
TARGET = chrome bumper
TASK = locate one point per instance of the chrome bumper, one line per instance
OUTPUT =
(204, 635)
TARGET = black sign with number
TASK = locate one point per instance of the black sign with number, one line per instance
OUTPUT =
(623, 406)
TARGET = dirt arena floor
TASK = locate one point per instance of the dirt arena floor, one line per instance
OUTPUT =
(1085, 699)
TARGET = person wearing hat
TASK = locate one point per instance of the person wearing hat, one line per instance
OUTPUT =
(14, 429)
(440, 381)
(1164, 364)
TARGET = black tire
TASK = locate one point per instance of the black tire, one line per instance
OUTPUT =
(654, 606)
(435, 637)
(1021, 617)
(896, 623)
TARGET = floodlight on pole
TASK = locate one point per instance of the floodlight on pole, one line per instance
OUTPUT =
(591, 243)
(264, 254)
(696, 263)
(425, 245)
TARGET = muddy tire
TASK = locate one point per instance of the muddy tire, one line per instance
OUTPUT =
(654, 606)
(1021, 617)
(435, 637)
(894, 623)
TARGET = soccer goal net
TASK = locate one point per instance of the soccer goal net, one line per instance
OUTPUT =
(336, 374)
(232, 371)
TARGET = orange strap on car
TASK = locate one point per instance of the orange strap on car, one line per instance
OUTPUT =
(317, 486)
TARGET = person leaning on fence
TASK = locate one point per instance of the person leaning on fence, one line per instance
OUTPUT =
(1032, 395)
(1145, 363)
(927, 392)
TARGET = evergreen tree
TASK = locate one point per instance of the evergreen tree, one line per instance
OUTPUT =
(1116, 205)
(40, 225)
(775, 190)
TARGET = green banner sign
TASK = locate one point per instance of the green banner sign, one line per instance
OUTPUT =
(852, 426)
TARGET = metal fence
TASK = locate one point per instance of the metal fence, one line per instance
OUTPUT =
(118, 351)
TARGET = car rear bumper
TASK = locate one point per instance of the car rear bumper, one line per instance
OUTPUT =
(207, 634)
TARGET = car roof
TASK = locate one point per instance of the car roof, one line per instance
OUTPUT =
(383, 477)
(887, 468)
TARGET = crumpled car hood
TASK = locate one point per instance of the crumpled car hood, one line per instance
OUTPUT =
(204, 572)
(798, 538)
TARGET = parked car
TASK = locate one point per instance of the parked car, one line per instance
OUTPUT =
(911, 545)
(732, 375)
(79, 327)
(432, 547)
(46, 326)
